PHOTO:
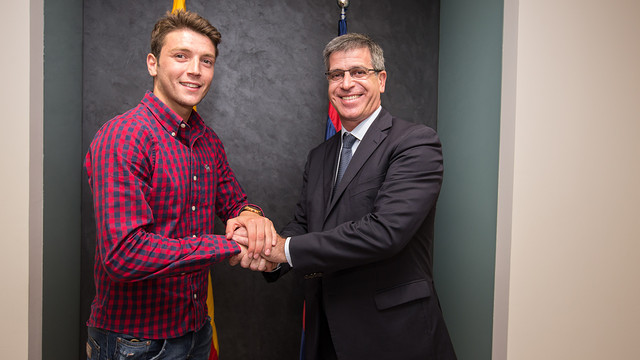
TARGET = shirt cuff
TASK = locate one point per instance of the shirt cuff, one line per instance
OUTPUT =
(286, 251)
(276, 269)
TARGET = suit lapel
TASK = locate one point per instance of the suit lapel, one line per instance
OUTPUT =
(329, 167)
(372, 139)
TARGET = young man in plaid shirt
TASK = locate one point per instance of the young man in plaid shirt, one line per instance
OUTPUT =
(159, 176)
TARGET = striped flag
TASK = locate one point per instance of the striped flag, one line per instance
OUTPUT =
(213, 355)
(178, 5)
(215, 349)
(333, 119)
(333, 126)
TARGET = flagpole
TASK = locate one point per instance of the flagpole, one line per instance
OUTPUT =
(343, 4)
(333, 119)
(333, 126)
(215, 347)
(342, 24)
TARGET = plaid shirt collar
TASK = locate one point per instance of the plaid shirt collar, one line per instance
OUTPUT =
(170, 121)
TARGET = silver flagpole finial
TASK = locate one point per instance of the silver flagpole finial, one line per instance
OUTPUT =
(343, 4)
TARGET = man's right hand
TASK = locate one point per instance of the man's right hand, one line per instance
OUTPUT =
(261, 235)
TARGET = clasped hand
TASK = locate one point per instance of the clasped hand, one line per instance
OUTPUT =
(261, 248)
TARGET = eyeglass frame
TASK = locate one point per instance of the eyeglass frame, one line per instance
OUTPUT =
(328, 73)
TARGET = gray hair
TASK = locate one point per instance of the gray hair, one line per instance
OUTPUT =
(353, 41)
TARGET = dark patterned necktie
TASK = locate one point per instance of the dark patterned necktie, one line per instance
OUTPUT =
(345, 156)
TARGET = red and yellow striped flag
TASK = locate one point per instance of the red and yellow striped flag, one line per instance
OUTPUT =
(214, 344)
(180, 5)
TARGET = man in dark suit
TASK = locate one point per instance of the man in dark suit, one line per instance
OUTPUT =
(362, 237)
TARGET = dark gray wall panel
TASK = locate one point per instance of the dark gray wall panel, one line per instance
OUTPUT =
(62, 177)
(268, 105)
(469, 127)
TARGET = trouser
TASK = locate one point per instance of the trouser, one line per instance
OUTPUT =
(108, 345)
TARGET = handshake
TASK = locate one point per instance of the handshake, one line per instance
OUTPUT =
(261, 248)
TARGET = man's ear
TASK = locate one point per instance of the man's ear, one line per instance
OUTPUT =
(382, 79)
(152, 65)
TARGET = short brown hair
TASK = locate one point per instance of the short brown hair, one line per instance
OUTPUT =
(182, 19)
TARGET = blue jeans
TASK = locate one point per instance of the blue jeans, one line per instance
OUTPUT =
(107, 345)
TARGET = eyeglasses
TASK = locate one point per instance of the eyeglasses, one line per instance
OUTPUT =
(357, 73)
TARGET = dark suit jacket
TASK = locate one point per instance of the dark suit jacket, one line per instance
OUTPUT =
(366, 254)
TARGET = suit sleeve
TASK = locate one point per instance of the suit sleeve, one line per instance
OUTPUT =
(407, 194)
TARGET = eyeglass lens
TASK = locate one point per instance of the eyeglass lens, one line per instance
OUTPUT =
(355, 72)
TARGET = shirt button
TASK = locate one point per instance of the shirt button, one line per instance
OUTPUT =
(182, 274)
(195, 296)
(173, 134)
(195, 178)
(193, 208)
(193, 236)
(183, 125)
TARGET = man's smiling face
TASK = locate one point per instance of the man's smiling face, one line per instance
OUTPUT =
(355, 100)
(184, 70)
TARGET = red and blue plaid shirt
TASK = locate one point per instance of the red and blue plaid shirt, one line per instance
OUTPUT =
(157, 184)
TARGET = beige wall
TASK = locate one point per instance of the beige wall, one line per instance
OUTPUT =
(568, 268)
(21, 181)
